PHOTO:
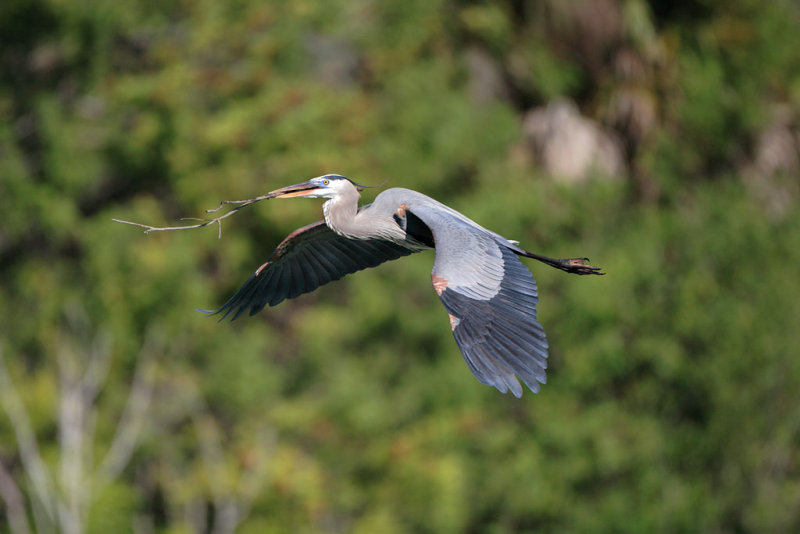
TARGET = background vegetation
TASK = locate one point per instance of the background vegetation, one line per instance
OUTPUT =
(674, 382)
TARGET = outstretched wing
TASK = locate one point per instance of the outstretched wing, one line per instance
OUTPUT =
(491, 298)
(308, 258)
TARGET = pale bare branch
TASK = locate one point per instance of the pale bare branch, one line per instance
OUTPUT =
(72, 442)
(246, 202)
(42, 522)
(133, 417)
(204, 222)
(32, 462)
(78, 389)
(59, 501)
(97, 369)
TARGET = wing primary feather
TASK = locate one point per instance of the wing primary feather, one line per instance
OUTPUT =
(262, 296)
(281, 287)
(319, 273)
(235, 302)
(309, 272)
(530, 355)
(466, 339)
(540, 344)
(529, 369)
(335, 261)
(503, 370)
(499, 373)
(345, 256)
(296, 278)
(322, 257)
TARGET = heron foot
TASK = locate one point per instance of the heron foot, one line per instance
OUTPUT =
(577, 266)
(570, 265)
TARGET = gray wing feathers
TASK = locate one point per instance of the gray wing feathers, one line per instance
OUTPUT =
(308, 258)
(501, 337)
(491, 298)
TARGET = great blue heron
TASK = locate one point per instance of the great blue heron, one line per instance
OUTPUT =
(489, 294)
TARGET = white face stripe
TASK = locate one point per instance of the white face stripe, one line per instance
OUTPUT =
(336, 185)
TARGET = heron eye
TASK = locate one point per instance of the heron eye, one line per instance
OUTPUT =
(325, 182)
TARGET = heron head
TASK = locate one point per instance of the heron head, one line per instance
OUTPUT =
(327, 186)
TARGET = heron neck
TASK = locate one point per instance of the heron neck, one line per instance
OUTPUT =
(340, 213)
(343, 216)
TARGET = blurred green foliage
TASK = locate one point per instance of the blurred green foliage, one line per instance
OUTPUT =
(674, 380)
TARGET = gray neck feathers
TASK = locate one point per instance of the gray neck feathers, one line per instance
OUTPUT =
(343, 216)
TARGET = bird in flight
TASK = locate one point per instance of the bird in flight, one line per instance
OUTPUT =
(489, 295)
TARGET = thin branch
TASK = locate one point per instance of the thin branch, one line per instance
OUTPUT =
(72, 441)
(27, 445)
(204, 222)
(133, 418)
(78, 391)
(42, 522)
(97, 368)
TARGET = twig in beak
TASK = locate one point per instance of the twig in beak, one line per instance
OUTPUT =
(205, 222)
